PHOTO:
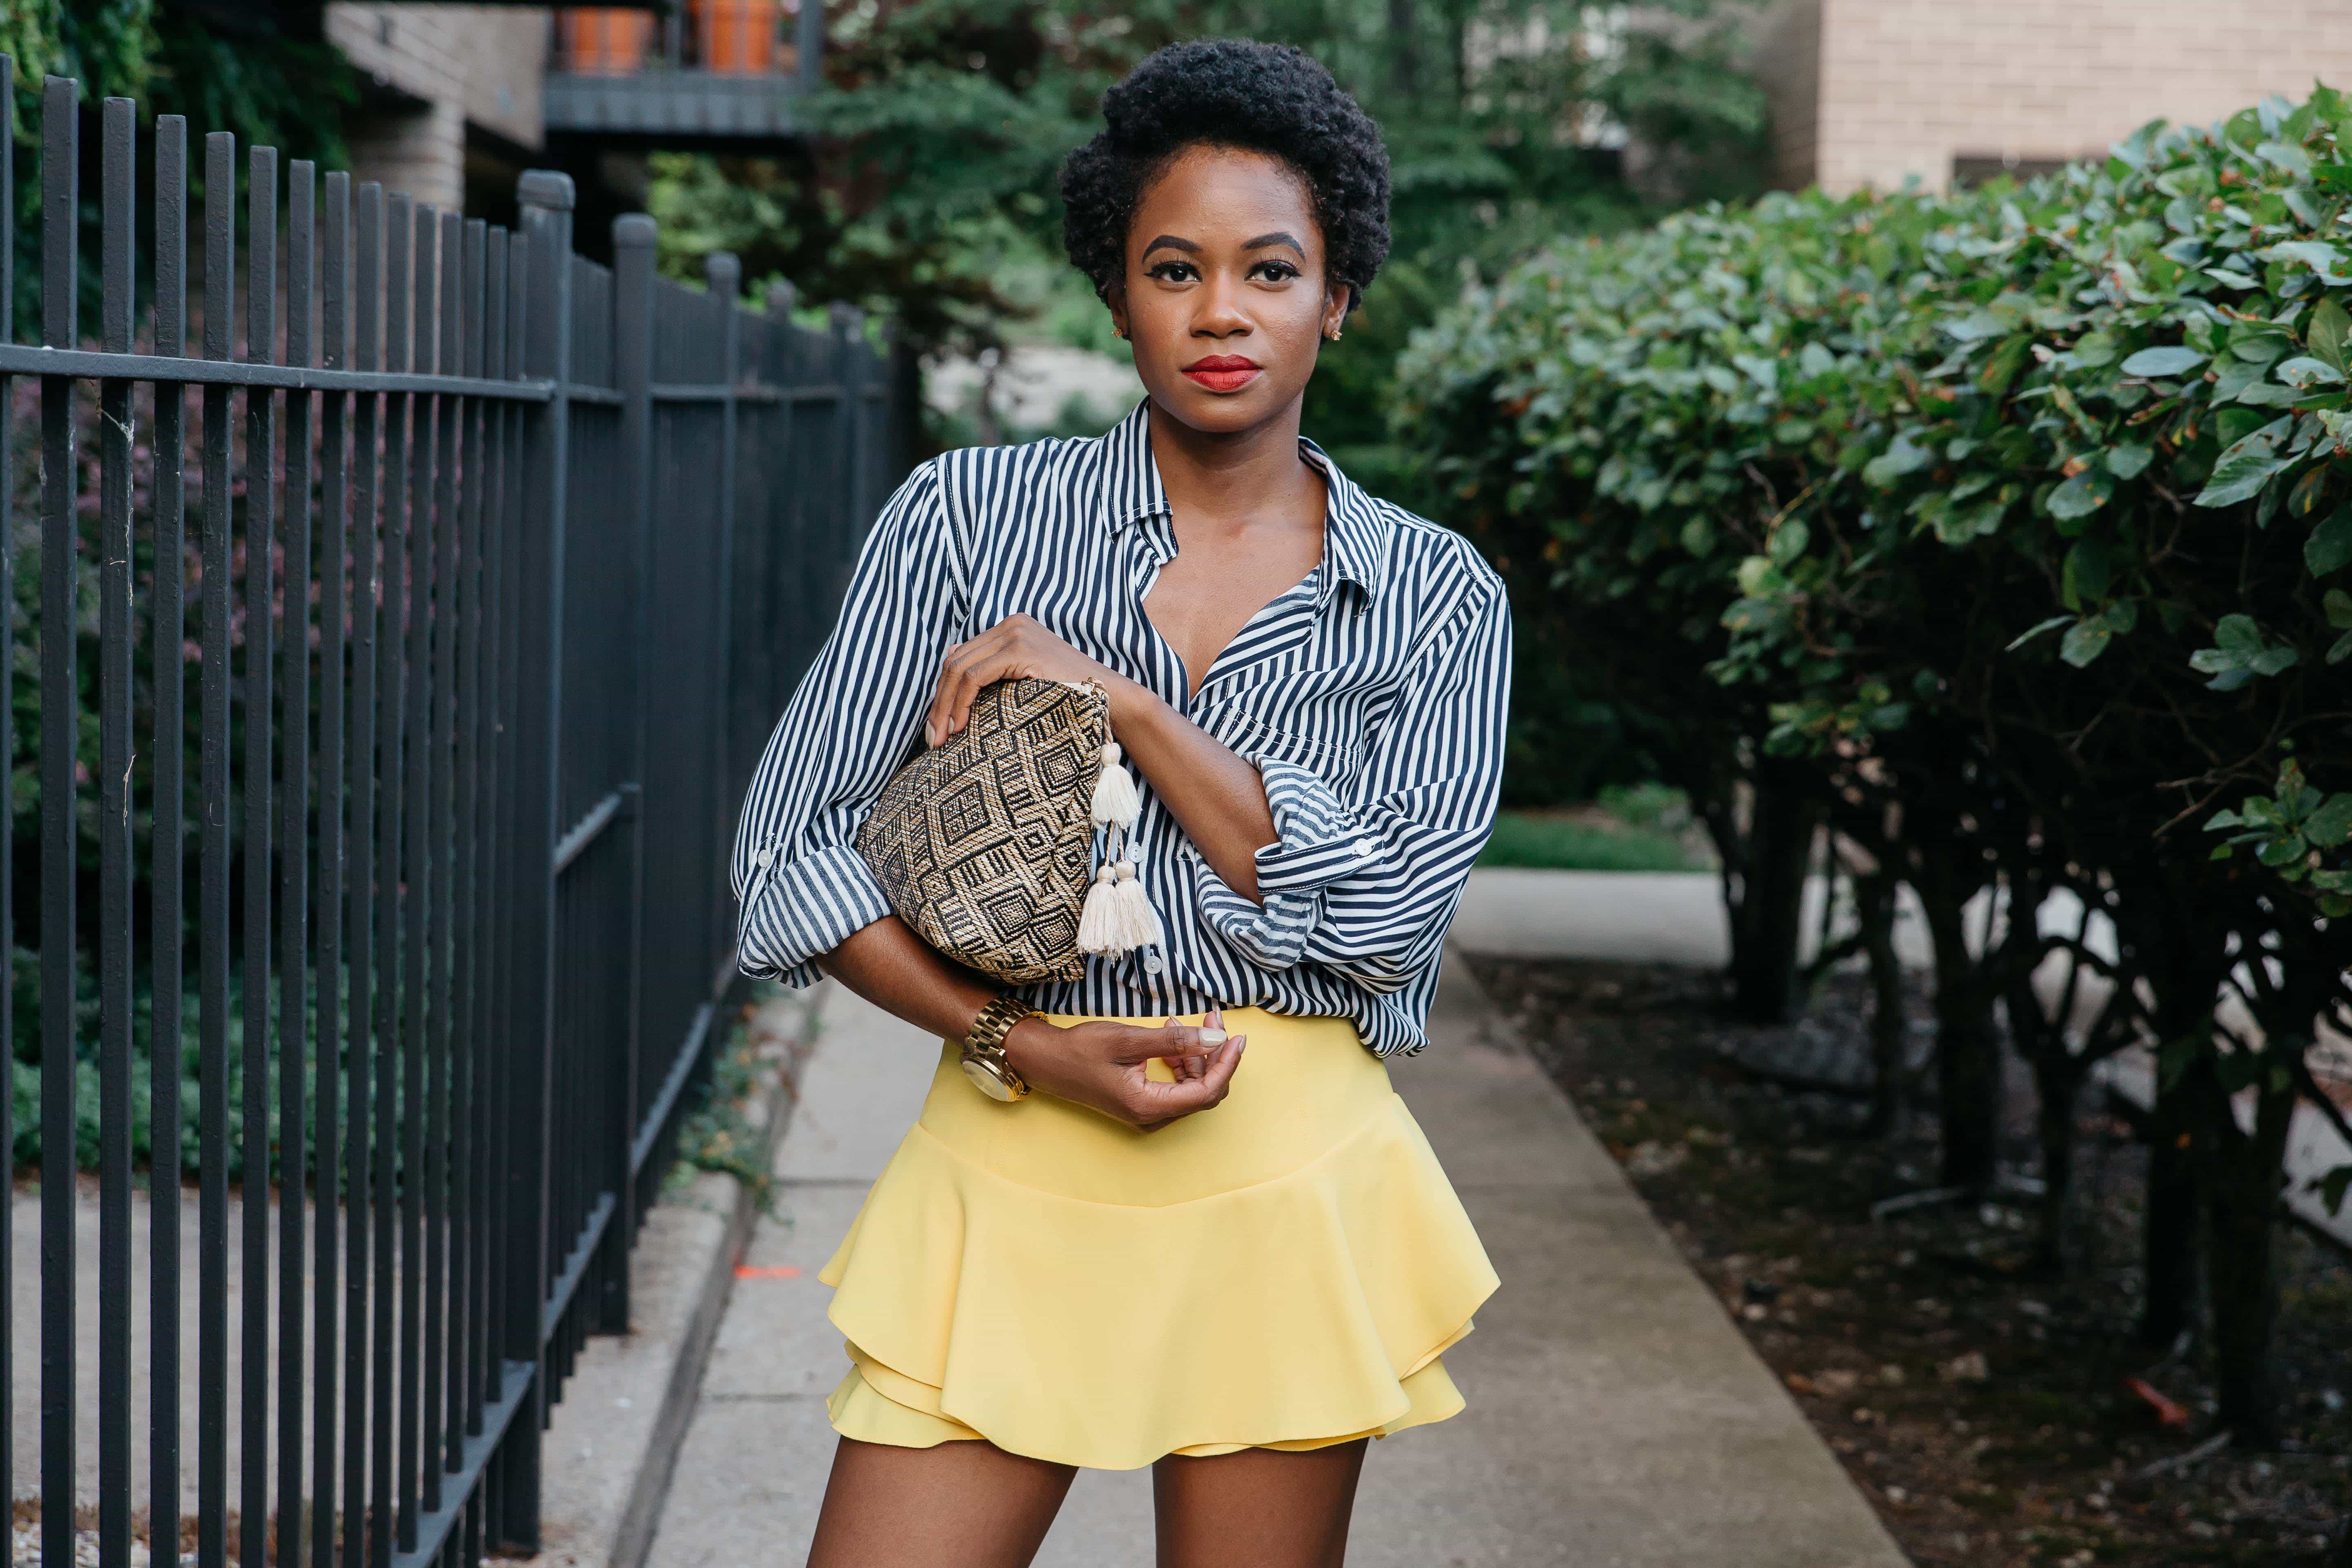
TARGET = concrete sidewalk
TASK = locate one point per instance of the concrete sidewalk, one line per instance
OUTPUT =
(1617, 1419)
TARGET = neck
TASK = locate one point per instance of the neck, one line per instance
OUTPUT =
(1229, 478)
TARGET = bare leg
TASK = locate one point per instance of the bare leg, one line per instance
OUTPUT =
(1258, 1508)
(963, 1504)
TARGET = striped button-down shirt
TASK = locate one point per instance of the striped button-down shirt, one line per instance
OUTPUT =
(1370, 697)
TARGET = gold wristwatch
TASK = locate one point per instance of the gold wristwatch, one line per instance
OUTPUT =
(983, 1051)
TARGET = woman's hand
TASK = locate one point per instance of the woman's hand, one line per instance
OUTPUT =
(1100, 1065)
(1013, 648)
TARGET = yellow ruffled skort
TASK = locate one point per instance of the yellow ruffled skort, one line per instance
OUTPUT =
(1281, 1271)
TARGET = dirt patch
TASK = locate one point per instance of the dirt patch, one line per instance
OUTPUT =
(1987, 1413)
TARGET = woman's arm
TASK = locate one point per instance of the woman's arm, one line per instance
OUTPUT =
(1098, 1065)
(1215, 796)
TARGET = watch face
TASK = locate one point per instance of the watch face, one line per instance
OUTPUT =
(986, 1077)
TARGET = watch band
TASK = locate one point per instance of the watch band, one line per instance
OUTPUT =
(983, 1051)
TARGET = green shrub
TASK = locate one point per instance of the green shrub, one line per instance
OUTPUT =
(2015, 524)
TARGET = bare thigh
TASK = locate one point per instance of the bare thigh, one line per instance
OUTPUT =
(963, 1504)
(1257, 1508)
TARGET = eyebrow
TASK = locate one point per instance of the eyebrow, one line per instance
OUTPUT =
(1174, 242)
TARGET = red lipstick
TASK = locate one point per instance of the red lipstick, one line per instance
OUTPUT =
(1224, 372)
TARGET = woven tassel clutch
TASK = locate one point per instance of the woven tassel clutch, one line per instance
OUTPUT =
(983, 845)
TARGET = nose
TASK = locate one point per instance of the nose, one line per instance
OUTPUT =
(1219, 312)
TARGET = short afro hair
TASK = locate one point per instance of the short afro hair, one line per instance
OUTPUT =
(1230, 93)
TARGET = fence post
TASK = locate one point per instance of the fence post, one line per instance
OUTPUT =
(546, 198)
(808, 42)
(849, 422)
(60, 722)
(632, 359)
(722, 273)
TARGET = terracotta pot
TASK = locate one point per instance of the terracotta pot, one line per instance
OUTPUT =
(736, 37)
(605, 40)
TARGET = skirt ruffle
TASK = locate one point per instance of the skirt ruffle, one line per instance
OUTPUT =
(1281, 1271)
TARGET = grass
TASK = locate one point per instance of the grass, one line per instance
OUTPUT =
(1644, 829)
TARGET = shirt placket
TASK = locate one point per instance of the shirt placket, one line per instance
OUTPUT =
(1151, 544)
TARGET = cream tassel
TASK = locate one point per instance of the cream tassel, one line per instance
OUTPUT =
(1139, 923)
(1098, 920)
(1116, 803)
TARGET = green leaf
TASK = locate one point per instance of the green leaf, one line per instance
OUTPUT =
(2129, 459)
(2080, 496)
(2239, 655)
(1902, 457)
(2094, 349)
(2246, 467)
(2338, 606)
(2174, 1059)
(2086, 640)
(2331, 326)
(2329, 548)
(2173, 361)
(2090, 567)
(2304, 372)
(2315, 253)
(2331, 825)
(2285, 155)
(2332, 1188)
(2284, 851)
(2035, 630)
(1788, 541)
(2002, 367)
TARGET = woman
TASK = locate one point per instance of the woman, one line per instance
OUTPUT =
(1234, 1272)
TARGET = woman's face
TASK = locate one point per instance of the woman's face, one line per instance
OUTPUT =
(1224, 296)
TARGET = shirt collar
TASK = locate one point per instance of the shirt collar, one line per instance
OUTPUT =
(1355, 533)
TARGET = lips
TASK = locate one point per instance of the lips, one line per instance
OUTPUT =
(1223, 373)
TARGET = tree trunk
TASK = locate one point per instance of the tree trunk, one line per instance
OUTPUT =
(2177, 941)
(1873, 900)
(2168, 1237)
(2058, 1078)
(1968, 1043)
(1767, 925)
(2244, 1174)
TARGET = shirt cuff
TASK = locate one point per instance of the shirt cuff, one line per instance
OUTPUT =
(1317, 843)
(796, 910)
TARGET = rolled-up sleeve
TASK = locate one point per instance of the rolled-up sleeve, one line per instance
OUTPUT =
(1364, 885)
(802, 888)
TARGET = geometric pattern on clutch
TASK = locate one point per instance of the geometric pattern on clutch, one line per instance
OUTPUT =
(983, 845)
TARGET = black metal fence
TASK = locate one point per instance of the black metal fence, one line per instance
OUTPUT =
(502, 563)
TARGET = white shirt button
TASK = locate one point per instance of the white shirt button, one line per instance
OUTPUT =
(765, 857)
(1366, 847)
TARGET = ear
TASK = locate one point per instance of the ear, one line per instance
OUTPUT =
(1115, 298)
(1336, 301)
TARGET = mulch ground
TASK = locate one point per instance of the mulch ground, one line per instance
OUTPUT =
(1982, 1410)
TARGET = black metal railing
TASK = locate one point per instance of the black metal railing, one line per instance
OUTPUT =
(502, 563)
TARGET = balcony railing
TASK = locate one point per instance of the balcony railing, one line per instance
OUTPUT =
(718, 69)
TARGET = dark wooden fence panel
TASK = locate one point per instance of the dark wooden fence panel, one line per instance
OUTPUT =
(400, 668)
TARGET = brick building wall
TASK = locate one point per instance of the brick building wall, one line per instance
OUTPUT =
(434, 71)
(1893, 89)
